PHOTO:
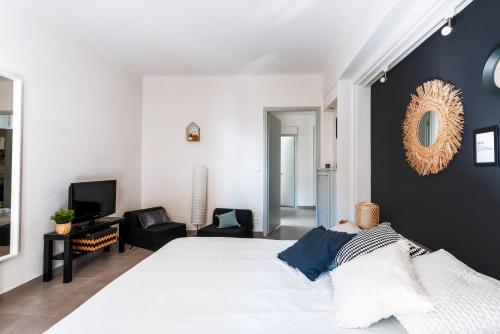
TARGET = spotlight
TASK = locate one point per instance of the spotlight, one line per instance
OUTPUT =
(447, 29)
(383, 79)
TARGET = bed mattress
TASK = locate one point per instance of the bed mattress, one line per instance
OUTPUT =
(213, 285)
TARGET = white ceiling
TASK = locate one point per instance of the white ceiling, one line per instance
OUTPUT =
(205, 37)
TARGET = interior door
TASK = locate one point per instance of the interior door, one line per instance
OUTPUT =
(274, 171)
(288, 171)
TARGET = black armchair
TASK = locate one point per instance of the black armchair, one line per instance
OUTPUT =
(244, 217)
(152, 238)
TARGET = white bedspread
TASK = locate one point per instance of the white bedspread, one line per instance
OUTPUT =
(213, 285)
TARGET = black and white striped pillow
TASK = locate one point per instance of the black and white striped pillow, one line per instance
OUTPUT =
(416, 250)
(366, 241)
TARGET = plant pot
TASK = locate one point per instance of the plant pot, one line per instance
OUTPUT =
(63, 228)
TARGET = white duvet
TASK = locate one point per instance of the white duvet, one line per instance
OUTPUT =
(213, 285)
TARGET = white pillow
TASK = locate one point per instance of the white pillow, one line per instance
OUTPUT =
(466, 301)
(375, 286)
(347, 228)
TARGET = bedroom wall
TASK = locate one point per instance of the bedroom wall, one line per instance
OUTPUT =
(456, 209)
(81, 121)
(229, 111)
(328, 139)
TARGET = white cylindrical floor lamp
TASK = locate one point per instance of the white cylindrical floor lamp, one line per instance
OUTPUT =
(199, 201)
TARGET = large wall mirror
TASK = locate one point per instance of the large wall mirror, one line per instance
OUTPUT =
(432, 129)
(10, 164)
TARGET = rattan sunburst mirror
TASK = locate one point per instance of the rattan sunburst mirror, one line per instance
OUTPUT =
(432, 129)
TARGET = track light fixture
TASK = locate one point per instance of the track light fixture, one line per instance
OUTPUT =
(447, 29)
(383, 79)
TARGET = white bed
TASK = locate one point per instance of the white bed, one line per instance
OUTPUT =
(213, 285)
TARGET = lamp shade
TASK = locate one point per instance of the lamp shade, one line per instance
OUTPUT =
(367, 215)
(199, 199)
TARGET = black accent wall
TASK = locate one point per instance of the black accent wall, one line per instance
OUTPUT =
(457, 209)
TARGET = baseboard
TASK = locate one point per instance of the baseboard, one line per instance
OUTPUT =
(306, 207)
(258, 235)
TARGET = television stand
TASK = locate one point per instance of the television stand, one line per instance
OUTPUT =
(68, 255)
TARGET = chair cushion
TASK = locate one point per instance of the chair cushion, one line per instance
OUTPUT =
(228, 220)
(166, 227)
(152, 218)
(155, 237)
(213, 231)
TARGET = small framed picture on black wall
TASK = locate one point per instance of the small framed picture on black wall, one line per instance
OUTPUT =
(486, 146)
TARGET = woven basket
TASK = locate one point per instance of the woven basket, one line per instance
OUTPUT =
(94, 241)
(63, 228)
(367, 215)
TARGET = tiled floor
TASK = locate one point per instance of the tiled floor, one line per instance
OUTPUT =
(4, 250)
(294, 224)
(298, 217)
(285, 232)
(36, 306)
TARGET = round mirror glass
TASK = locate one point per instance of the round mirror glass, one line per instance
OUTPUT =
(428, 128)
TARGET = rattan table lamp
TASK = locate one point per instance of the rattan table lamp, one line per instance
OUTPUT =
(367, 215)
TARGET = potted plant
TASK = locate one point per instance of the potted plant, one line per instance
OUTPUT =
(63, 218)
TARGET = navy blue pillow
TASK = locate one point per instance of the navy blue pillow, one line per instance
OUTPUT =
(315, 251)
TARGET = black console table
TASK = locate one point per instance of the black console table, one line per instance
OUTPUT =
(68, 255)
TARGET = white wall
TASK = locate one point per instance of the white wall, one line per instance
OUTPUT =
(229, 111)
(305, 124)
(328, 140)
(352, 177)
(81, 121)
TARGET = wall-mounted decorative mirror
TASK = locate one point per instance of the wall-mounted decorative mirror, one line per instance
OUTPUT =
(432, 129)
(491, 71)
(10, 164)
(428, 128)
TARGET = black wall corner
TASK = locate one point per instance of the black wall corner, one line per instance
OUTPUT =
(459, 208)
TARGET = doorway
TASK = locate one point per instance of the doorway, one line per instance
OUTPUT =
(292, 141)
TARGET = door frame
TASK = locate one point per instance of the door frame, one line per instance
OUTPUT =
(266, 111)
(295, 165)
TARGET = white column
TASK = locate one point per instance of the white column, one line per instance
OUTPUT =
(353, 148)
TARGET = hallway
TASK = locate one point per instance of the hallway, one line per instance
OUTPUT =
(298, 217)
(294, 223)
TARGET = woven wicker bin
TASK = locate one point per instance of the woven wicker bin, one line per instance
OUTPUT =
(367, 215)
(95, 241)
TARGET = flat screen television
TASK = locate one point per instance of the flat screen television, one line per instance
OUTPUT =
(92, 200)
